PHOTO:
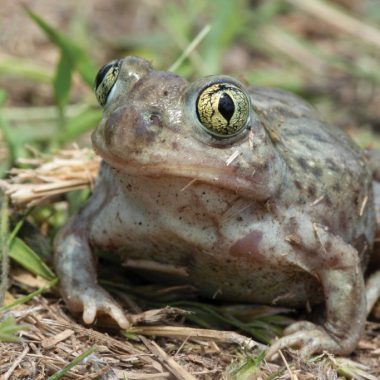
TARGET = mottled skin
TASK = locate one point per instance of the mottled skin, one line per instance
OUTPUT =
(282, 214)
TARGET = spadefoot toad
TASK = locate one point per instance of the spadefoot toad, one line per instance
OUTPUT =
(245, 190)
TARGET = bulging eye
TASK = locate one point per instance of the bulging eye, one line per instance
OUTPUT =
(105, 80)
(223, 109)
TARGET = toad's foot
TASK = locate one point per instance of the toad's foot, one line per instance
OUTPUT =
(309, 338)
(93, 301)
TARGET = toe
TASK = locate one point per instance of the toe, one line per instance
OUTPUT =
(309, 349)
(89, 312)
(119, 316)
(298, 339)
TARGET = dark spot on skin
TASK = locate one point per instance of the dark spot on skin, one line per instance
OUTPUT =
(330, 164)
(302, 162)
(317, 171)
(298, 185)
(362, 245)
(343, 220)
(165, 93)
(333, 261)
(181, 209)
(248, 247)
(328, 245)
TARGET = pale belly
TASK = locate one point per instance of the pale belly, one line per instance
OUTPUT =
(195, 247)
(166, 257)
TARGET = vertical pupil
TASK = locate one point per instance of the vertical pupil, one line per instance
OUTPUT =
(226, 106)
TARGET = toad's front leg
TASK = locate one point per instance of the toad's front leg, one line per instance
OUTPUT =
(75, 263)
(75, 266)
(337, 266)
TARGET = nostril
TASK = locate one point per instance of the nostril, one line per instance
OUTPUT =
(155, 119)
(148, 127)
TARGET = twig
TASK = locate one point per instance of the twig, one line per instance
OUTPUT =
(184, 332)
(292, 377)
(178, 371)
(8, 374)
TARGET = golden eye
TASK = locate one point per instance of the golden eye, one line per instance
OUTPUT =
(223, 109)
(105, 80)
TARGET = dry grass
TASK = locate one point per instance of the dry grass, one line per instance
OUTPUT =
(53, 340)
(49, 176)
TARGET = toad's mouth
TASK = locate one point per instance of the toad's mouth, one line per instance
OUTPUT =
(219, 176)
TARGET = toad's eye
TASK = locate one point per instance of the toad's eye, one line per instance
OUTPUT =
(105, 80)
(223, 109)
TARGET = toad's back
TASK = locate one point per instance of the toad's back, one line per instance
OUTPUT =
(328, 174)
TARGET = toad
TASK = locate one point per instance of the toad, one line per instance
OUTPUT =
(244, 190)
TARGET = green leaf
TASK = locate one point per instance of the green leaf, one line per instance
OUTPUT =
(4, 254)
(71, 365)
(72, 52)
(22, 68)
(248, 368)
(62, 81)
(27, 258)
(28, 297)
(228, 20)
(3, 97)
(8, 329)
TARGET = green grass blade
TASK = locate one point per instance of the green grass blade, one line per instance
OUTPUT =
(229, 19)
(71, 365)
(196, 41)
(21, 68)
(28, 297)
(74, 53)
(248, 368)
(8, 329)
(27, 258)
(4, 232)
(62, 81)
(10, 137)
